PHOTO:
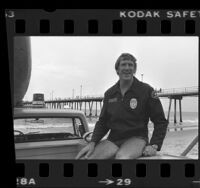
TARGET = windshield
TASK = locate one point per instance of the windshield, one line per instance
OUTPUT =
(27, 126)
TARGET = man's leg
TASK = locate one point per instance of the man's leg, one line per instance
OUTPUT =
(104, 150)
(131, 149)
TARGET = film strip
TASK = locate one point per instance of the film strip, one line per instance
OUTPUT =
(95, 23)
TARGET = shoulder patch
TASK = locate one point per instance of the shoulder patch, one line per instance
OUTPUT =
(154, 94)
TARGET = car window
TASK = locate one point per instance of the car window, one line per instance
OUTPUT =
(70, 128)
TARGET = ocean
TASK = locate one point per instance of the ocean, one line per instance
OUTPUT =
(174, 143)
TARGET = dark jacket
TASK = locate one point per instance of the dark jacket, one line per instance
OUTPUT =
(129, 115)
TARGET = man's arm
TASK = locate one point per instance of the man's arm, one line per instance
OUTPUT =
(101, 128)
(157, 116)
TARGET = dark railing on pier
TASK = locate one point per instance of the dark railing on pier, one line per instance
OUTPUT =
(175, 92)
(87, 103)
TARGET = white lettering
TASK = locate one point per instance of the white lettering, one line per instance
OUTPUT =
(177, 14)
(148, 14)
(26, 181)
(127, 181)
(169, 14)
(192, 14)
(156, 14)
(185, 13)
(23, 181)
(140, 14)
(122, 14)
(123, 182)
(119, 181)
(131, 14)
(32, 181)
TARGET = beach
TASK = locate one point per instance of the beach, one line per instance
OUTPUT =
(176, 142)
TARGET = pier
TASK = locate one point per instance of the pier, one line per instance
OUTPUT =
(92, 105)
(177, 94)
(84, 103)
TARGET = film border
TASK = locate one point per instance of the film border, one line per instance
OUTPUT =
(101, 23)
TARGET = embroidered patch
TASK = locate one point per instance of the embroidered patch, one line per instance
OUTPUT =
(133, 103)
(112, 100)
(154, 94)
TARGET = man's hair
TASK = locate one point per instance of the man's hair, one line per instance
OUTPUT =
(125, 56)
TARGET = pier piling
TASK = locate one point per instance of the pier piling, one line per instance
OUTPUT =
(175, 113)
(170, 103)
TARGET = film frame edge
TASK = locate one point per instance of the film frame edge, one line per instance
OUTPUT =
(126, 25)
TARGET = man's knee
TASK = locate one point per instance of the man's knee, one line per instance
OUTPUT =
(131, 149)
(104, 150)
(121, 155)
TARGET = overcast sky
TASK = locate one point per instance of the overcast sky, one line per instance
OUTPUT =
(62, 64)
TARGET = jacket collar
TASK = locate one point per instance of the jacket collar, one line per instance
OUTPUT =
(134, 85)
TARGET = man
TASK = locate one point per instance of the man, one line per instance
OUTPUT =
(126, 110)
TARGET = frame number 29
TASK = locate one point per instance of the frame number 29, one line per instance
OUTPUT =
(125, 182)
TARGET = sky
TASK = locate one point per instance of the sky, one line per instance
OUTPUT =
(64, 67)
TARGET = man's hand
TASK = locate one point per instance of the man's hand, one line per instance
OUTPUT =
(86, 151)
(149, 151)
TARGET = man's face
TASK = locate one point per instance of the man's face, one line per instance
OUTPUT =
(126, 69)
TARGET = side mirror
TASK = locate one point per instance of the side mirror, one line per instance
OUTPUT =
(87, 136)
(81, 130)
